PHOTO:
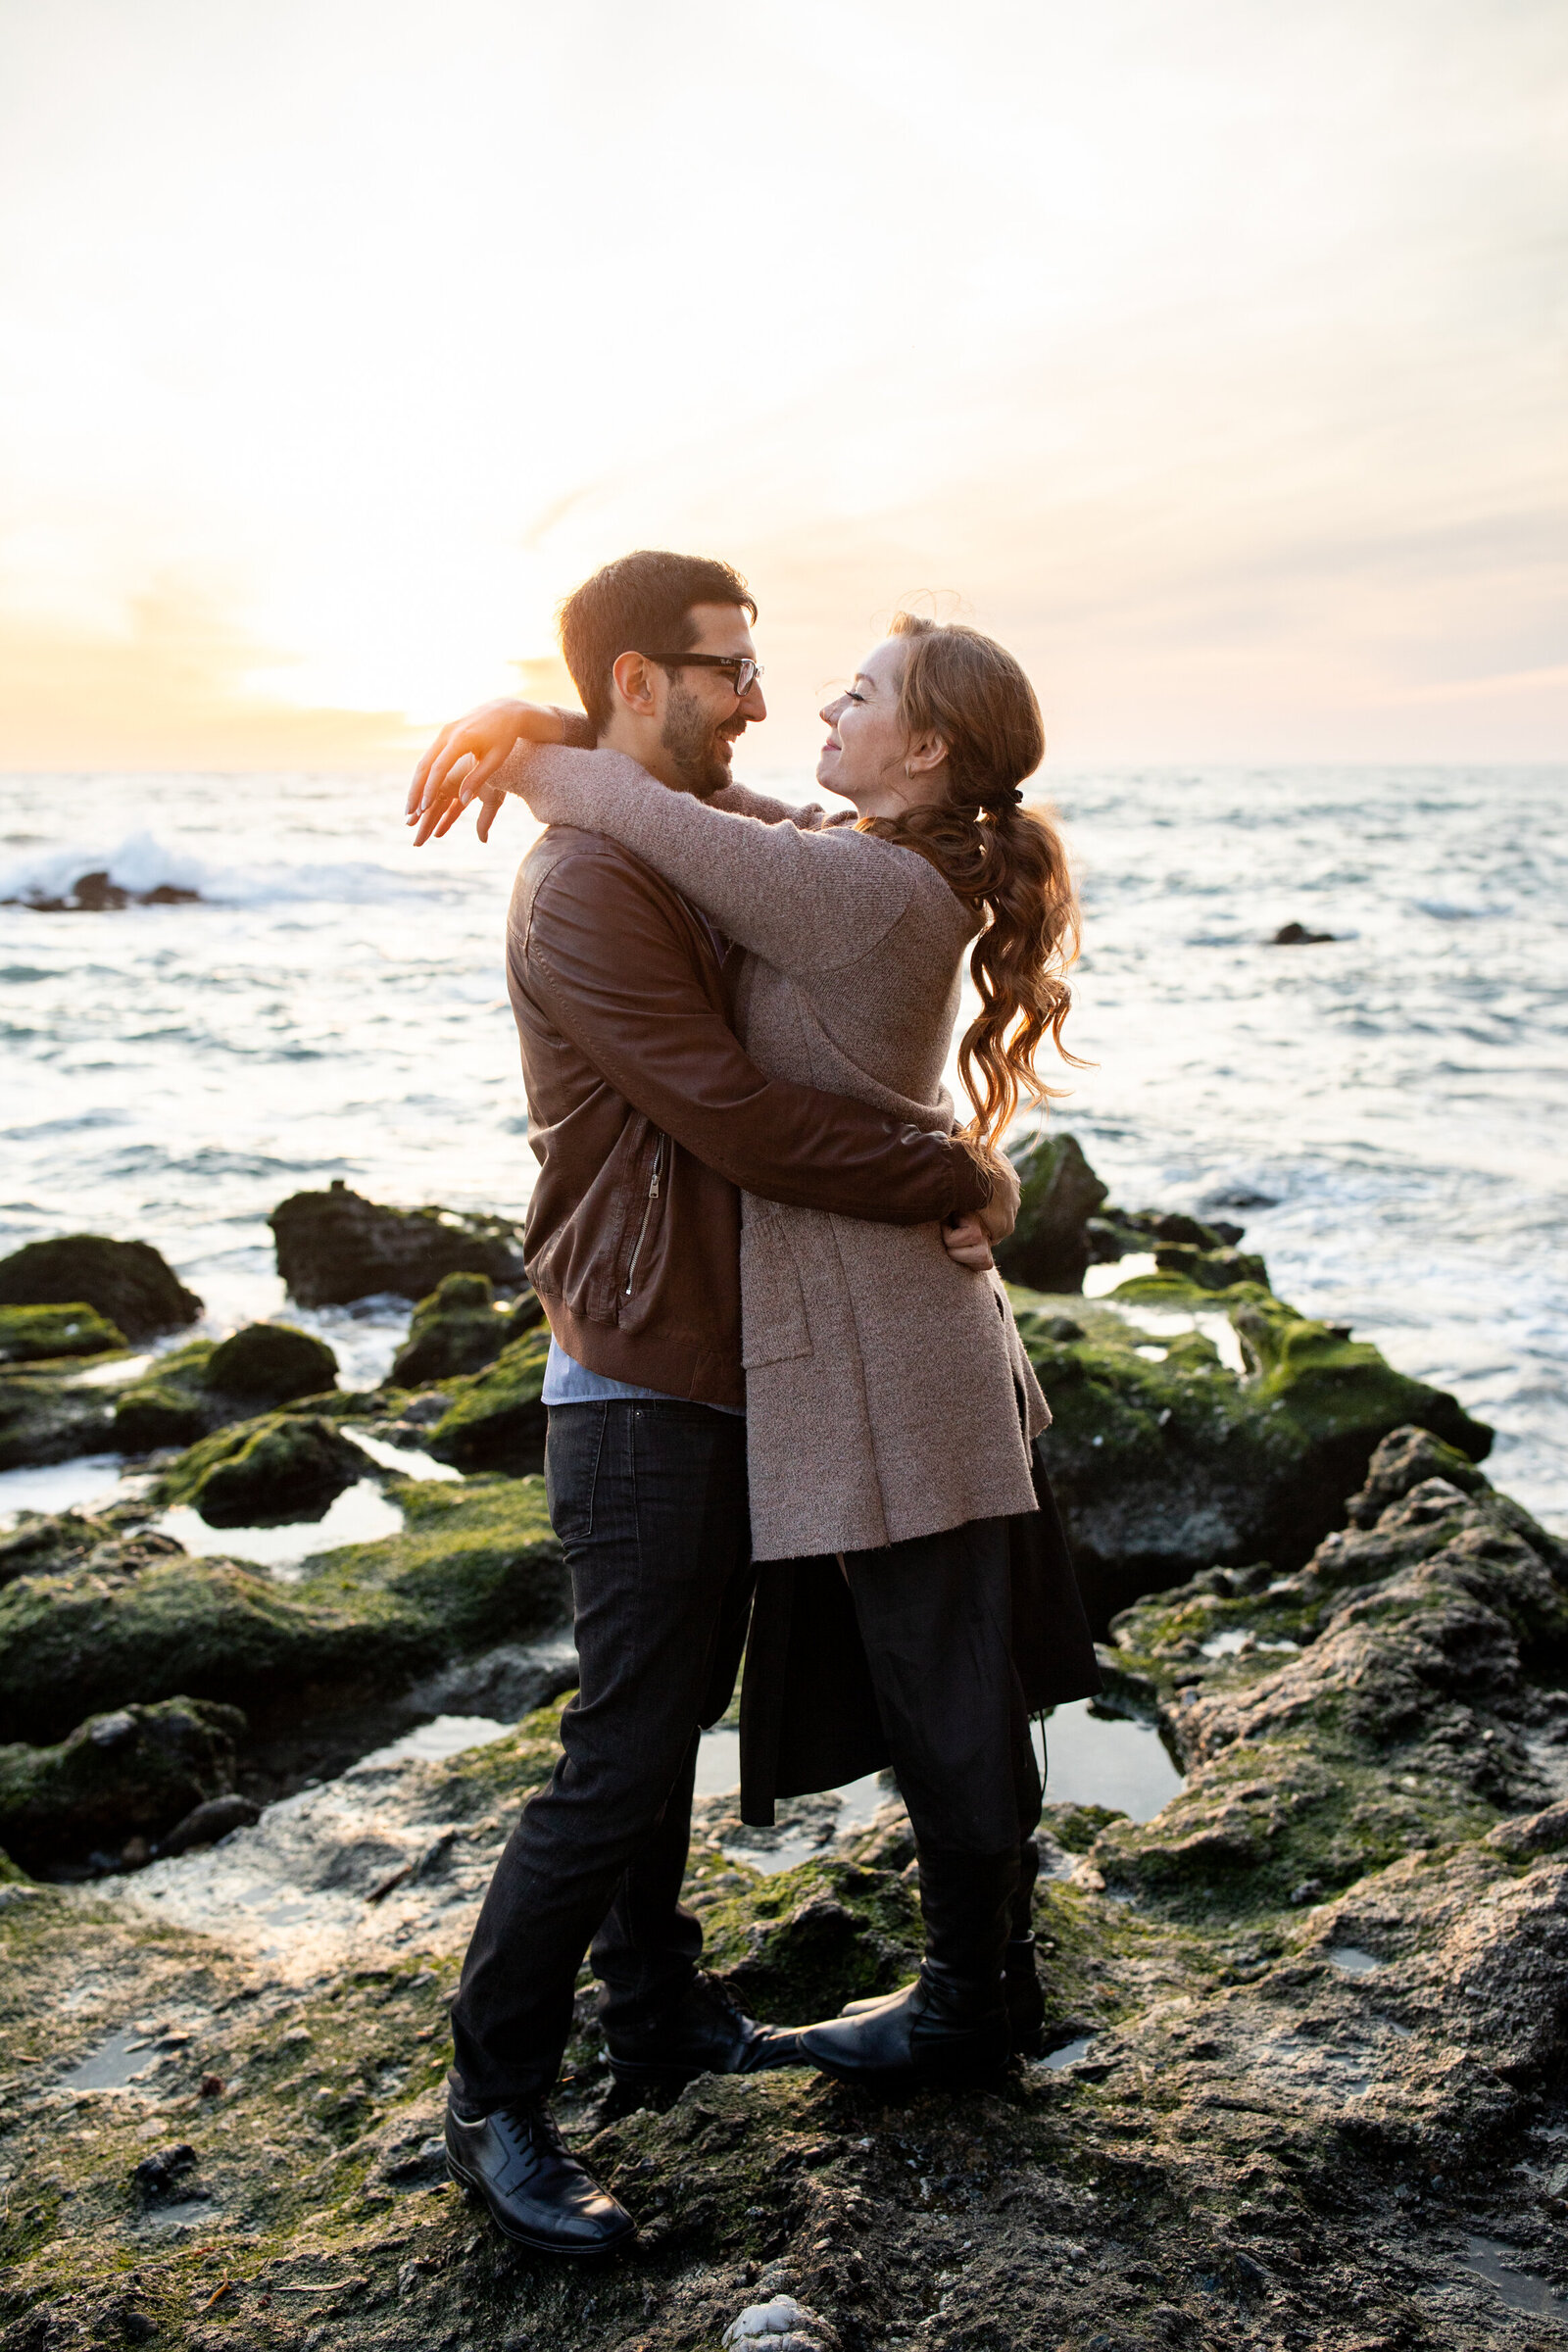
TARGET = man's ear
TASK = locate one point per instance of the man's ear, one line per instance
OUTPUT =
(633, 676)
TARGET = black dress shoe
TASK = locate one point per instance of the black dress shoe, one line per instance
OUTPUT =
(706, 2033)
(538, 2195)
(913, 2036)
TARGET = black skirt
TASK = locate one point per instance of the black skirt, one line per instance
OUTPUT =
(809, 1714)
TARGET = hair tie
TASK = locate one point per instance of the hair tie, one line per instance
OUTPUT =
(1003, 800)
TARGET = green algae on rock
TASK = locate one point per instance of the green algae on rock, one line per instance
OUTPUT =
(128, 1282)
(283, 1466)
(271, 1360)
(475, 1563)
(34, 1334)
(495, 1420)
(138, 1770)
(459, 1329)
(1166, 1459)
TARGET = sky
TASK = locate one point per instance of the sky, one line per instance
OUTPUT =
(1207, 352)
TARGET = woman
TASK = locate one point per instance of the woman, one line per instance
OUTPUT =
(891, 1409)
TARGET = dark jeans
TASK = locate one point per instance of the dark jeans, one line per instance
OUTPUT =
(935, 1615)
(649, 1501)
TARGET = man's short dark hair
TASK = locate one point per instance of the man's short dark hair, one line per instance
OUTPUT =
(641, 604)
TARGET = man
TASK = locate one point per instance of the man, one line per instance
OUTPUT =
(647, 1119)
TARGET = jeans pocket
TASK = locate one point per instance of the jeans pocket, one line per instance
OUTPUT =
(572, 1448)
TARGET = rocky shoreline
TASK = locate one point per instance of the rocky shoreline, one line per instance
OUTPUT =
(1304, 2074)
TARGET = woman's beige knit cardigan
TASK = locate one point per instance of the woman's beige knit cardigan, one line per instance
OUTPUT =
(882, 1380)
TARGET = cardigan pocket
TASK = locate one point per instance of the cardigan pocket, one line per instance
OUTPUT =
(774, 1319)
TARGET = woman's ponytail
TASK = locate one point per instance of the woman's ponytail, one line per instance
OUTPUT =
(996, 855)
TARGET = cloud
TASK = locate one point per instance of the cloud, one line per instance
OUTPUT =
(169, 689)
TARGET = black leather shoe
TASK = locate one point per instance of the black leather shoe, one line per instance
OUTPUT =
(707, 2032)
(911, 2035)
(538, 2195)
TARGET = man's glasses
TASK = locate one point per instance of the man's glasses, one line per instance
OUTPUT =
(743, 672)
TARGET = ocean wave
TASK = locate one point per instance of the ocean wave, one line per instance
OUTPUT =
(141, 863)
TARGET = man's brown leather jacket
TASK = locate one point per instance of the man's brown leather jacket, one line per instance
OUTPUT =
(646, 1115)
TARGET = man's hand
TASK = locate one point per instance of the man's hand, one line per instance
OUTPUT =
(968, 1239)
(458, 765)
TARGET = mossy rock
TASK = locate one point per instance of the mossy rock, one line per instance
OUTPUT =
(273, 1361)
(138, 1770)
(1048, 1248)
(1211, 1269)
(285, 1467)
(496, 1420)
(34, 1334)
(459, 1329)
(335, 1246)
(43, 1418)
(169, 1406)
(42, 1542)
(1170, 1461)
(474, 1564)
(128, 1282)
(1334, 1720)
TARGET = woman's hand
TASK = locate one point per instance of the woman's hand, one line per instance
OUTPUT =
(968, 1237)
(464, 758)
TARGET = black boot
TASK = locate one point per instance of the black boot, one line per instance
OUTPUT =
(706, 2033)
(1027, 2007)
(538, 2195)
(952, 2024)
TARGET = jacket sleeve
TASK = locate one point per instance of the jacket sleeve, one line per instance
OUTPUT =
(603, 961)
(808, 902)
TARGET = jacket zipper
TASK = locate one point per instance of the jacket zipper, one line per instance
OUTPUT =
(648, 1210)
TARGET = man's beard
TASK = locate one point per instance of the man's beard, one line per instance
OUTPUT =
(691, 738)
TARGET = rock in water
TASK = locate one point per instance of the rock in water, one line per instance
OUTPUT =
(33, 1333)
(284, 1466)
(473, 1565)
(1166, 1459)
(1048, 1248)
(336, 1247)
(456, 1330)
(140, 1768)
(126, 1282)
(495, 1420)
(42, 1419)
(271, 1360)
(1296, 935)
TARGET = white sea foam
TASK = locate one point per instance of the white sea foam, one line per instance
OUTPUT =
(141, 863)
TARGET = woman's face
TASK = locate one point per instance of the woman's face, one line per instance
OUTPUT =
(863, 757)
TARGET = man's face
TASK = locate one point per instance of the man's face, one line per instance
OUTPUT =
(702, 718)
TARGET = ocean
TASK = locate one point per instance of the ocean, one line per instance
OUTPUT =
(1386, 1112)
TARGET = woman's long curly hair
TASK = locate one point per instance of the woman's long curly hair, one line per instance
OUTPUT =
(997, 855)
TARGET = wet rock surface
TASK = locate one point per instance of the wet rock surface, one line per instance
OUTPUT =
(335, 1246)
(1307, 2030)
